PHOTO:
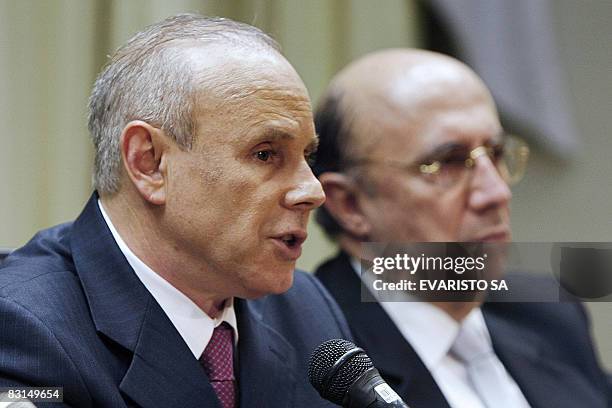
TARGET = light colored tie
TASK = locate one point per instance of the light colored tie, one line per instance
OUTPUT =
(485, 372)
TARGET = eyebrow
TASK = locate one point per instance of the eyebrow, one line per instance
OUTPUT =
(276, 134)
(443, 149)
(450, 146)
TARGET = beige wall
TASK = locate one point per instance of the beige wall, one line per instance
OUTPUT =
(46, 68)
(50, 51)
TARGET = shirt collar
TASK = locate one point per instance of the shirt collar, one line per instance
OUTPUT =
(428, 329)
(194, 326)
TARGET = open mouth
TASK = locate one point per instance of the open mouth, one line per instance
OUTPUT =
(289, 246)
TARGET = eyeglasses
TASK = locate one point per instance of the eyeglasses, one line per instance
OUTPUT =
(452, 163)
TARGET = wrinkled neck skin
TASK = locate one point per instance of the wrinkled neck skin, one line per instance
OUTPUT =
(132, 218)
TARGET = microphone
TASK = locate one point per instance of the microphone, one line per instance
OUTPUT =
(344, 374)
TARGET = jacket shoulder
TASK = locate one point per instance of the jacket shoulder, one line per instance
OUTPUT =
(47, 253)
(41, 275)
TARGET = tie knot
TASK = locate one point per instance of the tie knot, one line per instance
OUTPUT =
(217, 358)
(471, 345)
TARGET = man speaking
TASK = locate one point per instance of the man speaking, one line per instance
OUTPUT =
(202, 131)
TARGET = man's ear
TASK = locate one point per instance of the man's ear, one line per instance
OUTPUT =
(342, 203)
(144, 149)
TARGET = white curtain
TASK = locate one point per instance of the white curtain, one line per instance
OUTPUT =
(512, 45)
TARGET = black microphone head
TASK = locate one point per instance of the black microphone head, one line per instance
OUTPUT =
(334, 366)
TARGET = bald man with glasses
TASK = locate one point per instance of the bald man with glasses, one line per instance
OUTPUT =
(412, 150)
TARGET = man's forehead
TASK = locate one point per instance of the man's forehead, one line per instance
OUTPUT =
(411, 124)
(226, 64)
(248, 78)
(402, 81)
(238, 84)
(392, 133)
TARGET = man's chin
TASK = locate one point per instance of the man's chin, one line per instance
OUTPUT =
(281, 284)
(498, 235)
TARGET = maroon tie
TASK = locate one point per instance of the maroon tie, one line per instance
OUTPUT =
(218, 363)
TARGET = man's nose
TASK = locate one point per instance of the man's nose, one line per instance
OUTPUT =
(306, 193)
(488, 188)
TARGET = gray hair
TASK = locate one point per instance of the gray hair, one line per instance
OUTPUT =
(149, 79)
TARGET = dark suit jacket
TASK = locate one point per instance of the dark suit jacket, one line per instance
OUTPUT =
(545, 347)
(74, 314)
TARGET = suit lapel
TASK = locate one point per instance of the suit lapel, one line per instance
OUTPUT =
(265, 359)
(397, 361)
(545, 381)
(163, 372)
(394, 357)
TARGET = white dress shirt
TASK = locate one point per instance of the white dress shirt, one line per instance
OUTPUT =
(431, 332)
(194, 326)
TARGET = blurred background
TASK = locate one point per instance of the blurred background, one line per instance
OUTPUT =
(548, 63)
